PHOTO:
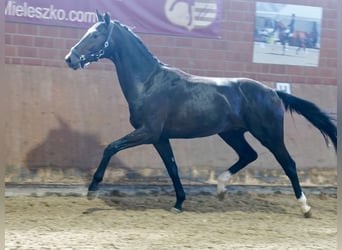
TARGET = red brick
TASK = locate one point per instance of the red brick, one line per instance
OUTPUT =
(67, 33)
(59, 43)
(198, 72)
(242, 5)
(167, 60)
(329, 81)
(22, 40)
(330, 53)
(50, 31)
(27, 29)
(199, 64)
(181, 52)
(53, 63)
(243, 57)
(32, 61)
(206, 54)
(327, 4)
(327, 72)
(160, 41)
(79, 32)
(235, 66)
(328, 34)
(241, 46)
(329, 13)
(279, 78)
(216, 65)
(16, 60)
(168, 51)
(10, 27)
(242, 16)
(184, 42)
(27, 52)
(218, 44)
(329, 43)
(61, 53)
(226, 5)
(69, 43)
(312, 80)
(295, 70)
(297, 79)
(157, 51)
(181, 63)
(45, 42)
(201, 43)
(328, 62)
(230, 25)
(48, 53)
(8, 39)
(309, 71)
(254, 67)
(278, 69)
(329, 23)
(10, 50)
(265, 68)
(216, 55)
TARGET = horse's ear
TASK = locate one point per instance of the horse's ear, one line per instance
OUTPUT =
(107, 18)
(99, 16)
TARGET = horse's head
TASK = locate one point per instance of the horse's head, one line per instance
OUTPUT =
(93, 45)
(279, 24)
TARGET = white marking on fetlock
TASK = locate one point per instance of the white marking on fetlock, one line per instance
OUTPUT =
(303, 204)
(221, 182)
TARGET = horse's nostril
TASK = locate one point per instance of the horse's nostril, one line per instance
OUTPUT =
(68, 59)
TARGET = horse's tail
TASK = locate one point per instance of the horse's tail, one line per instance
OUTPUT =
(322, 121)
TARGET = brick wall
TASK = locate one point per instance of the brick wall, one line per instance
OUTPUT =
(230, 56)
(56, 127)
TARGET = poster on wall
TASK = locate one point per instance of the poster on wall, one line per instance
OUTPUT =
(287, 34)
(198, 18)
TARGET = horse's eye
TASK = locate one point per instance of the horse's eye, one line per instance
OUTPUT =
(94, 36)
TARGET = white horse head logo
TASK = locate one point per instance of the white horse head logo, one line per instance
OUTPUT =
(191, 14)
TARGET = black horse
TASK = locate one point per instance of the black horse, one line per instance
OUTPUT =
(165, 102)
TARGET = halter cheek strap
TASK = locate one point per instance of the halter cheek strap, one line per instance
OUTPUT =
(94, 56)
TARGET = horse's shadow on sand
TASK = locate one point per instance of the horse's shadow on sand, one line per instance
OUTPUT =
(199, 203)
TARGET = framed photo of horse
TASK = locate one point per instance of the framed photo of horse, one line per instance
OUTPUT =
(287, 34)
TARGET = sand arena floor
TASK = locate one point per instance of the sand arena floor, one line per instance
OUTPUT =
(244, 220)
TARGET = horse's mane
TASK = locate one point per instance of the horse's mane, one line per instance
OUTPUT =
(136, 38)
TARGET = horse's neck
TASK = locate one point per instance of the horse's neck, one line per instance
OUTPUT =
(134, 65)
(281, 26)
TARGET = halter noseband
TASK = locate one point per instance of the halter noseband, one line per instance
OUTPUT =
(93, 56)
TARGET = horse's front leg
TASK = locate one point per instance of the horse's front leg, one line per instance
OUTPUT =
(165, 151)
(137, 137)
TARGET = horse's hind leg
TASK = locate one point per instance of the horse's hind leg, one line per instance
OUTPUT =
(277, 147)
(246, 155)
(289, 166)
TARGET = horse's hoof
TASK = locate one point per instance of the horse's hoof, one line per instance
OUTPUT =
(221, 196)
(308, 214)
(175, 210)
(92, 195)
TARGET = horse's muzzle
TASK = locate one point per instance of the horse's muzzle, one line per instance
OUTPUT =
(72, 61)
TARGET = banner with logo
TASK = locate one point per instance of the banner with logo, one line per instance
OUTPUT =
(200, 18)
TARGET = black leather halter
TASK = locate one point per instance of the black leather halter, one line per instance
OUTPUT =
(96, 55)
